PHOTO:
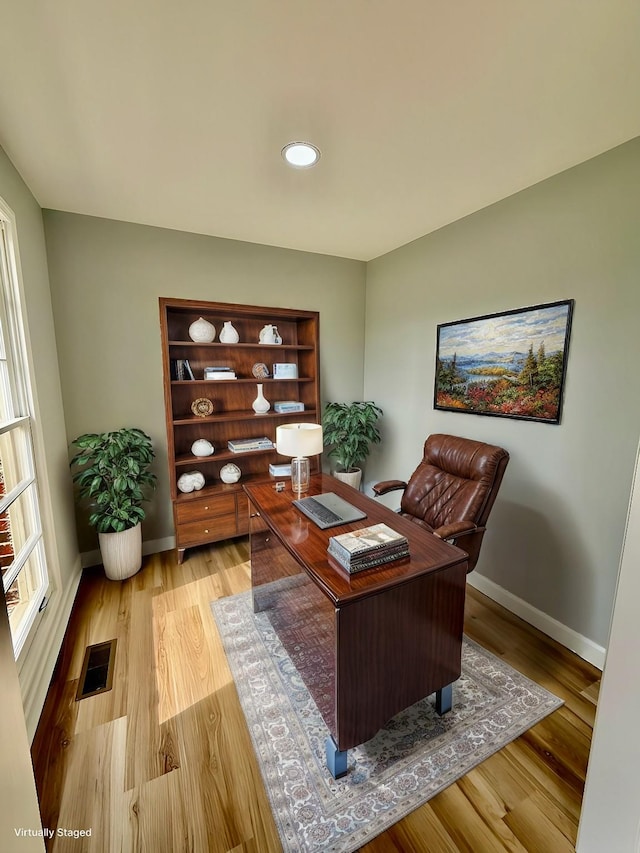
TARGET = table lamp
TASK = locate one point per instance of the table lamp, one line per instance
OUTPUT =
(299, 441)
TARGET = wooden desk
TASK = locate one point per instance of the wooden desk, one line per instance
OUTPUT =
(385, 637)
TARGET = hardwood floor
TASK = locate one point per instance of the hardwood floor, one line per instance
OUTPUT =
(163, 762)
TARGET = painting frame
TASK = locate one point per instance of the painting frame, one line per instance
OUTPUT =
(482, 369)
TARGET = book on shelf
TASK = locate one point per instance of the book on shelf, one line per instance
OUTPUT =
(219, 373)
(241, 445)
(283, 470)
(286, 406)
(368, 547)
(181, 369)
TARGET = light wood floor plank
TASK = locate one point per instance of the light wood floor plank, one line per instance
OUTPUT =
(421, 830)
(534, 771)
(151, 744)
(592, 692)
(91, 800)
(535, 828)
(164, 762)
(491, 808)
(468, 829)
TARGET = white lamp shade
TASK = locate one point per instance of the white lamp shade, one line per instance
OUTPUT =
(299, 439)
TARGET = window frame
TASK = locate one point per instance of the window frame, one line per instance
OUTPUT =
(32, 553)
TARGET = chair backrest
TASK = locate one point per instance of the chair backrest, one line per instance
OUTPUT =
(457, 480)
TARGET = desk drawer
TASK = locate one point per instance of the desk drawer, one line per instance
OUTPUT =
(205, 509)
(255, 522)
(222, 527)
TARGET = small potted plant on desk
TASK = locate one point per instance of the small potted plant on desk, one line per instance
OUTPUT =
(350, 429)
(111, 472)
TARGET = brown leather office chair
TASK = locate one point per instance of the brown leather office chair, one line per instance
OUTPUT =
(452, 490)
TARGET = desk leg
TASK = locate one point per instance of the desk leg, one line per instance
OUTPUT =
(336, 758)
(444, 699)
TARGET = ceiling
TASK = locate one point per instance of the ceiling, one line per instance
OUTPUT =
(174, 114)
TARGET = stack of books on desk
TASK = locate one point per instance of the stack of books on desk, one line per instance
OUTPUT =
(368, 547)
(243, 445)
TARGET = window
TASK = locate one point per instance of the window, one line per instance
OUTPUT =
(22, 553)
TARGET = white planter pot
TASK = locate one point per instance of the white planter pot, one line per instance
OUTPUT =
(352, 478)
(121, 553)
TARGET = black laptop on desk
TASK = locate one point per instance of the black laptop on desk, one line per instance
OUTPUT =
(328, 510)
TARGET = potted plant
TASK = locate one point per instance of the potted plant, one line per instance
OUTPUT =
(350, 429)
(111, 473)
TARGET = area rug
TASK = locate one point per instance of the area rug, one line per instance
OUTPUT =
(414, 757)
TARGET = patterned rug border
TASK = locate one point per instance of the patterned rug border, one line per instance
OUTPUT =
(415, 756)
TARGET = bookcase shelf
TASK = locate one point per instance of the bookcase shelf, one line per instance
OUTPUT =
(239, 346)
(188, 459)
(242, 416)
(219, 510)
(268, 380)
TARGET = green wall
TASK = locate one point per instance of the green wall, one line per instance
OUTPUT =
(106, 277)
(556, 532)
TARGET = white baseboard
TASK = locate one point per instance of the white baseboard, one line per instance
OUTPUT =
(35, 675)
(151, 546)
(583, 646)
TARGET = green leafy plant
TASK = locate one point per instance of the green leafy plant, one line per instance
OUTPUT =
(112, 474)
(351, 429)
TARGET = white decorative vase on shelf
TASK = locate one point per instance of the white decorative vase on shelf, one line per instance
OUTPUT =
(191, 481)
(261, 405)
(121, 552)
(202, 447)
(229, 334)
(267, 334)
(230, 473)
(202, 331)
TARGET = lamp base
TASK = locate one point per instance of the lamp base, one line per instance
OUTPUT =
(300, 474)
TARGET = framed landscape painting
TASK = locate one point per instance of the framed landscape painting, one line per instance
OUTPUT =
(510, 365)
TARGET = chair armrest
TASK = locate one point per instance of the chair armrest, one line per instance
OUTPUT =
(388, 486)
(457, 529)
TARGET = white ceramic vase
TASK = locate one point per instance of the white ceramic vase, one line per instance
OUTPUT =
(261, 405)
(229, 333)
(202, 447)
(230, 473)
(121, 553)
(190, 481)
(202, 331)
(267, 334)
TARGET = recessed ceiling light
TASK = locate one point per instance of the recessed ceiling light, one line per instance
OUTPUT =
(301, 155)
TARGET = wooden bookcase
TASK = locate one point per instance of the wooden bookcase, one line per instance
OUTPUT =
(219, 510)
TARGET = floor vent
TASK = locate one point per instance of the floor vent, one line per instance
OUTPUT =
(97, 669)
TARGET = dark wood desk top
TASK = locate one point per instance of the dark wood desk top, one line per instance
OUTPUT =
(308, 543)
